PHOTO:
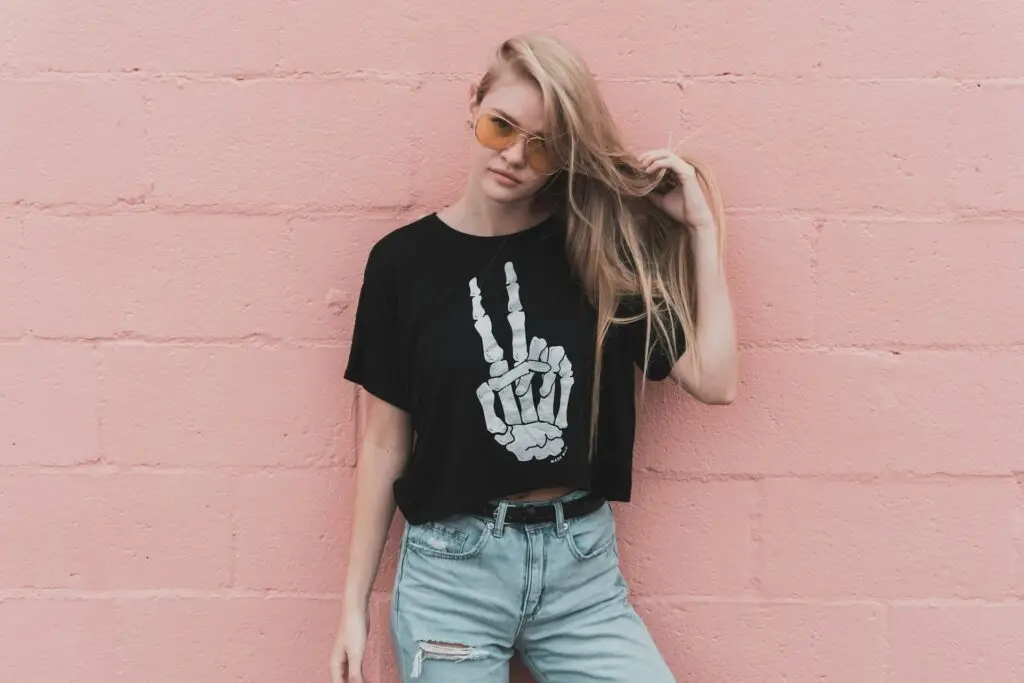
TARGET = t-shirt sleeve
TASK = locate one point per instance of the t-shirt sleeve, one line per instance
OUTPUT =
(377, 360)
(662, 356)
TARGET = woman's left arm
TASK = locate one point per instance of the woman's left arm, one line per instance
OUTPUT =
(716, 377)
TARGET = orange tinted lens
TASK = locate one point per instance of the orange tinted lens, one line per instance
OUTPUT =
(495, 133)
(538, 158)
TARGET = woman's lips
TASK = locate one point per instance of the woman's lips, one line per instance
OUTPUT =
(505, 178)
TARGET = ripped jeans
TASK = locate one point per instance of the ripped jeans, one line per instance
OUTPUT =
(470, 591)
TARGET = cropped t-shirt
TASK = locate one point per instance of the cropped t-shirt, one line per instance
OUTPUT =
(488, 343)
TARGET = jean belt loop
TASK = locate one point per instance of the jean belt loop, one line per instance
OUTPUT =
(560, 525)
(499, 518)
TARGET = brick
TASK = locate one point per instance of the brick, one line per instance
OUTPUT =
(309, 274)
(807, 412)
(887, 540)
(647, 113)
(387, 36)
(956, 643)
(773, 303)
(290, 143)
(290, 552)
(53, 640)
(709, 520)
(110, 35)
(644, 42)
(329, 257)
(989, 174)
(763, 641)
(214, 640)
(217, 405)
(49, 404)
(12, 273)
(867, 39)
(920, 283)
(128, 531)
(449, 39)
(849, 146)
(71, 142)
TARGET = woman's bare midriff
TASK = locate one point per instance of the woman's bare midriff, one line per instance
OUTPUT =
(541, 494)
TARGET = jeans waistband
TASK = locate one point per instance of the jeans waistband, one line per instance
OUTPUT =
(555, 511)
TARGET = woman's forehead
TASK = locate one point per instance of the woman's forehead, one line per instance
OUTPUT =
(520, 102)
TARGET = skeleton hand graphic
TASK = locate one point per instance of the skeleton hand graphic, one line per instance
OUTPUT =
(525, 429)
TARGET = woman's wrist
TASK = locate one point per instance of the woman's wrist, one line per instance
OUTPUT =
(704, 240)
(356, 602)
(704, 228)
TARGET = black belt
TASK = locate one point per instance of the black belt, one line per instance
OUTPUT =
(544, 512)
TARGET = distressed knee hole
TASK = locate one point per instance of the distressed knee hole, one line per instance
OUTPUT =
(448, 652)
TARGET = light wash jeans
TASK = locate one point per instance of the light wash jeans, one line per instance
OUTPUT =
(471, 590)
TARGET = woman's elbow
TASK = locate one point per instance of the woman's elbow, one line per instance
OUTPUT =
(721, 390)
(723, 396)
(714, 385)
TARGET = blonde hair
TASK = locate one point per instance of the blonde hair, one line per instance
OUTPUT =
(620, 245)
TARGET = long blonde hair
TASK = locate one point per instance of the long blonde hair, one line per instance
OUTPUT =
(620, 246)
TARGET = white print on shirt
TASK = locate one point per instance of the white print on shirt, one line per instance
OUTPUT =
(527, 431)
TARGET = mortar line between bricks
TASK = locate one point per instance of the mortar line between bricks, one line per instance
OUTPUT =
(887, 477)
(756, 533)
(131, 339)
(51, 593)
(233, 521)
(144, 207)
(22, 208)
(1017, 590)
(839, 601)
(14, 75)
(881, 348)
(886, 644)
(116, 469)
(101, 404)
(55, 593)
(815, 268)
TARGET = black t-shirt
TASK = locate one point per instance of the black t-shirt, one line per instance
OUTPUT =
(488, 343)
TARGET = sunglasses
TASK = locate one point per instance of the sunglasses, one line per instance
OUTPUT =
(498, 133)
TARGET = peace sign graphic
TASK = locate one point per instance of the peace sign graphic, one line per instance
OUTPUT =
(526, 429)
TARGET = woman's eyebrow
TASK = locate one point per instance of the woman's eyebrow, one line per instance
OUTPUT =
(512, 120)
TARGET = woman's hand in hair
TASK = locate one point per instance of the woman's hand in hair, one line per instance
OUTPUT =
(679, 195)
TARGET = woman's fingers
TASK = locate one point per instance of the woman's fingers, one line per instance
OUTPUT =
(337, 666)
(354, 670)
(656, 160)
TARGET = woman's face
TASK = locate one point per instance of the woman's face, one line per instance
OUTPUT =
(512, 109)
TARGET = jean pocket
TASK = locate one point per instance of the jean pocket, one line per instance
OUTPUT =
(459, 537)
(591, 535)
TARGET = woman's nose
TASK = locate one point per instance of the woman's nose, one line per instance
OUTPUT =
(515, 154)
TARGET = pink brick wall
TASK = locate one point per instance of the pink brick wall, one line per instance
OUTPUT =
(188, 191)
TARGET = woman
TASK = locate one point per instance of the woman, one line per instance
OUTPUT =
(479, 333)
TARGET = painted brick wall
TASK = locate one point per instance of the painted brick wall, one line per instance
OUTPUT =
(188, 191)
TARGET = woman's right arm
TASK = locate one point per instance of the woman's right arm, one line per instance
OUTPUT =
(386, 445)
